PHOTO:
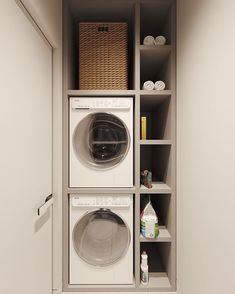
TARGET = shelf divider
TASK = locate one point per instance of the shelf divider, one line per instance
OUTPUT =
(160, 51)
(155, 142)
(164, 236)
(100, 190)
(101, 92)
(158, 281)
(157, 188)
(155, 93)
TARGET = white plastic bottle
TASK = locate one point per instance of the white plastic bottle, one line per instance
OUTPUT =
(144, 269)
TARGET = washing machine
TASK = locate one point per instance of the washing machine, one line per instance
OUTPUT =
(101, 240)
(101, 142)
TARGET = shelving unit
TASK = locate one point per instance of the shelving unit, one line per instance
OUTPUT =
(157, 152)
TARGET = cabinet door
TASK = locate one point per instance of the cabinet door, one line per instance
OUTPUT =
(206, 146)
(25, 154)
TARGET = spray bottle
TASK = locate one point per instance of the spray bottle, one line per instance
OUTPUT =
(144, 269)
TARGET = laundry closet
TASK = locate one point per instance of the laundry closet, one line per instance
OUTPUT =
(110, 106)
(106, 152)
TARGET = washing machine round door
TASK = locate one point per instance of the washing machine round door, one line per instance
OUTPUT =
(101, 238)
(101, 140)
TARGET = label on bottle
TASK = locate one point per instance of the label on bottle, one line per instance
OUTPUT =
(150, 229)
(144, 277)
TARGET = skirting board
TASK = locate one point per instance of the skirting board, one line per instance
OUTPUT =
(116, 292)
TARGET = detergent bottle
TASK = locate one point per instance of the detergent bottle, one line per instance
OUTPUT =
(144, 269)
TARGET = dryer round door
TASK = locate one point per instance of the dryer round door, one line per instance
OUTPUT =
(101, 140)
(101, 238)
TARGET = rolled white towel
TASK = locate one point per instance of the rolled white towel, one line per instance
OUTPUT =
(149, 40)
(148, 85)
(160, 40)
(159, 85)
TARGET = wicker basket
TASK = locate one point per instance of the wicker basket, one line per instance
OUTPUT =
(103, 56)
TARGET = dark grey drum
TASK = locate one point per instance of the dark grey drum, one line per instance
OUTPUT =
(101, 140)
(101, 238)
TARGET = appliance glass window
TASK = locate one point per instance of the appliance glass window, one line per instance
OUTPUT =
(101, 238)
(101, 140)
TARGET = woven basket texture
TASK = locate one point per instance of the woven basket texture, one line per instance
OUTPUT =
(103, 61)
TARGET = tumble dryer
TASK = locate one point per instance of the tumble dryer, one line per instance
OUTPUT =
(101, 142)
(101, 239)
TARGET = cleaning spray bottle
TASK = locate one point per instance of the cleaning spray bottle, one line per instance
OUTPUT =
(144, 269)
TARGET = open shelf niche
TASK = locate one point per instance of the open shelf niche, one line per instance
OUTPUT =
(159, 261)
(162, 205)
(97, 11)
(157, 110)
(155, 19)
(156, 158)
(155, 65)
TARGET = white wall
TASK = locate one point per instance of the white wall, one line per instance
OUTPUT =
(206, 146)
(47, 14)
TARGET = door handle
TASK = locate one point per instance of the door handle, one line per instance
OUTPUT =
(43, 208)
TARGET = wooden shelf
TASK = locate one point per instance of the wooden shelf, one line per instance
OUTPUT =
(158, 281)
(162, 93)
(155, 142)
(93, 288)
(157, 188)
(164, 236)
(101, 190)
(101, 92)
(157, 94)
(160, 51)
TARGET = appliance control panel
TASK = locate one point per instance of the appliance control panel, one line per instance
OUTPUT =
(101, 103)
(101, 201)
